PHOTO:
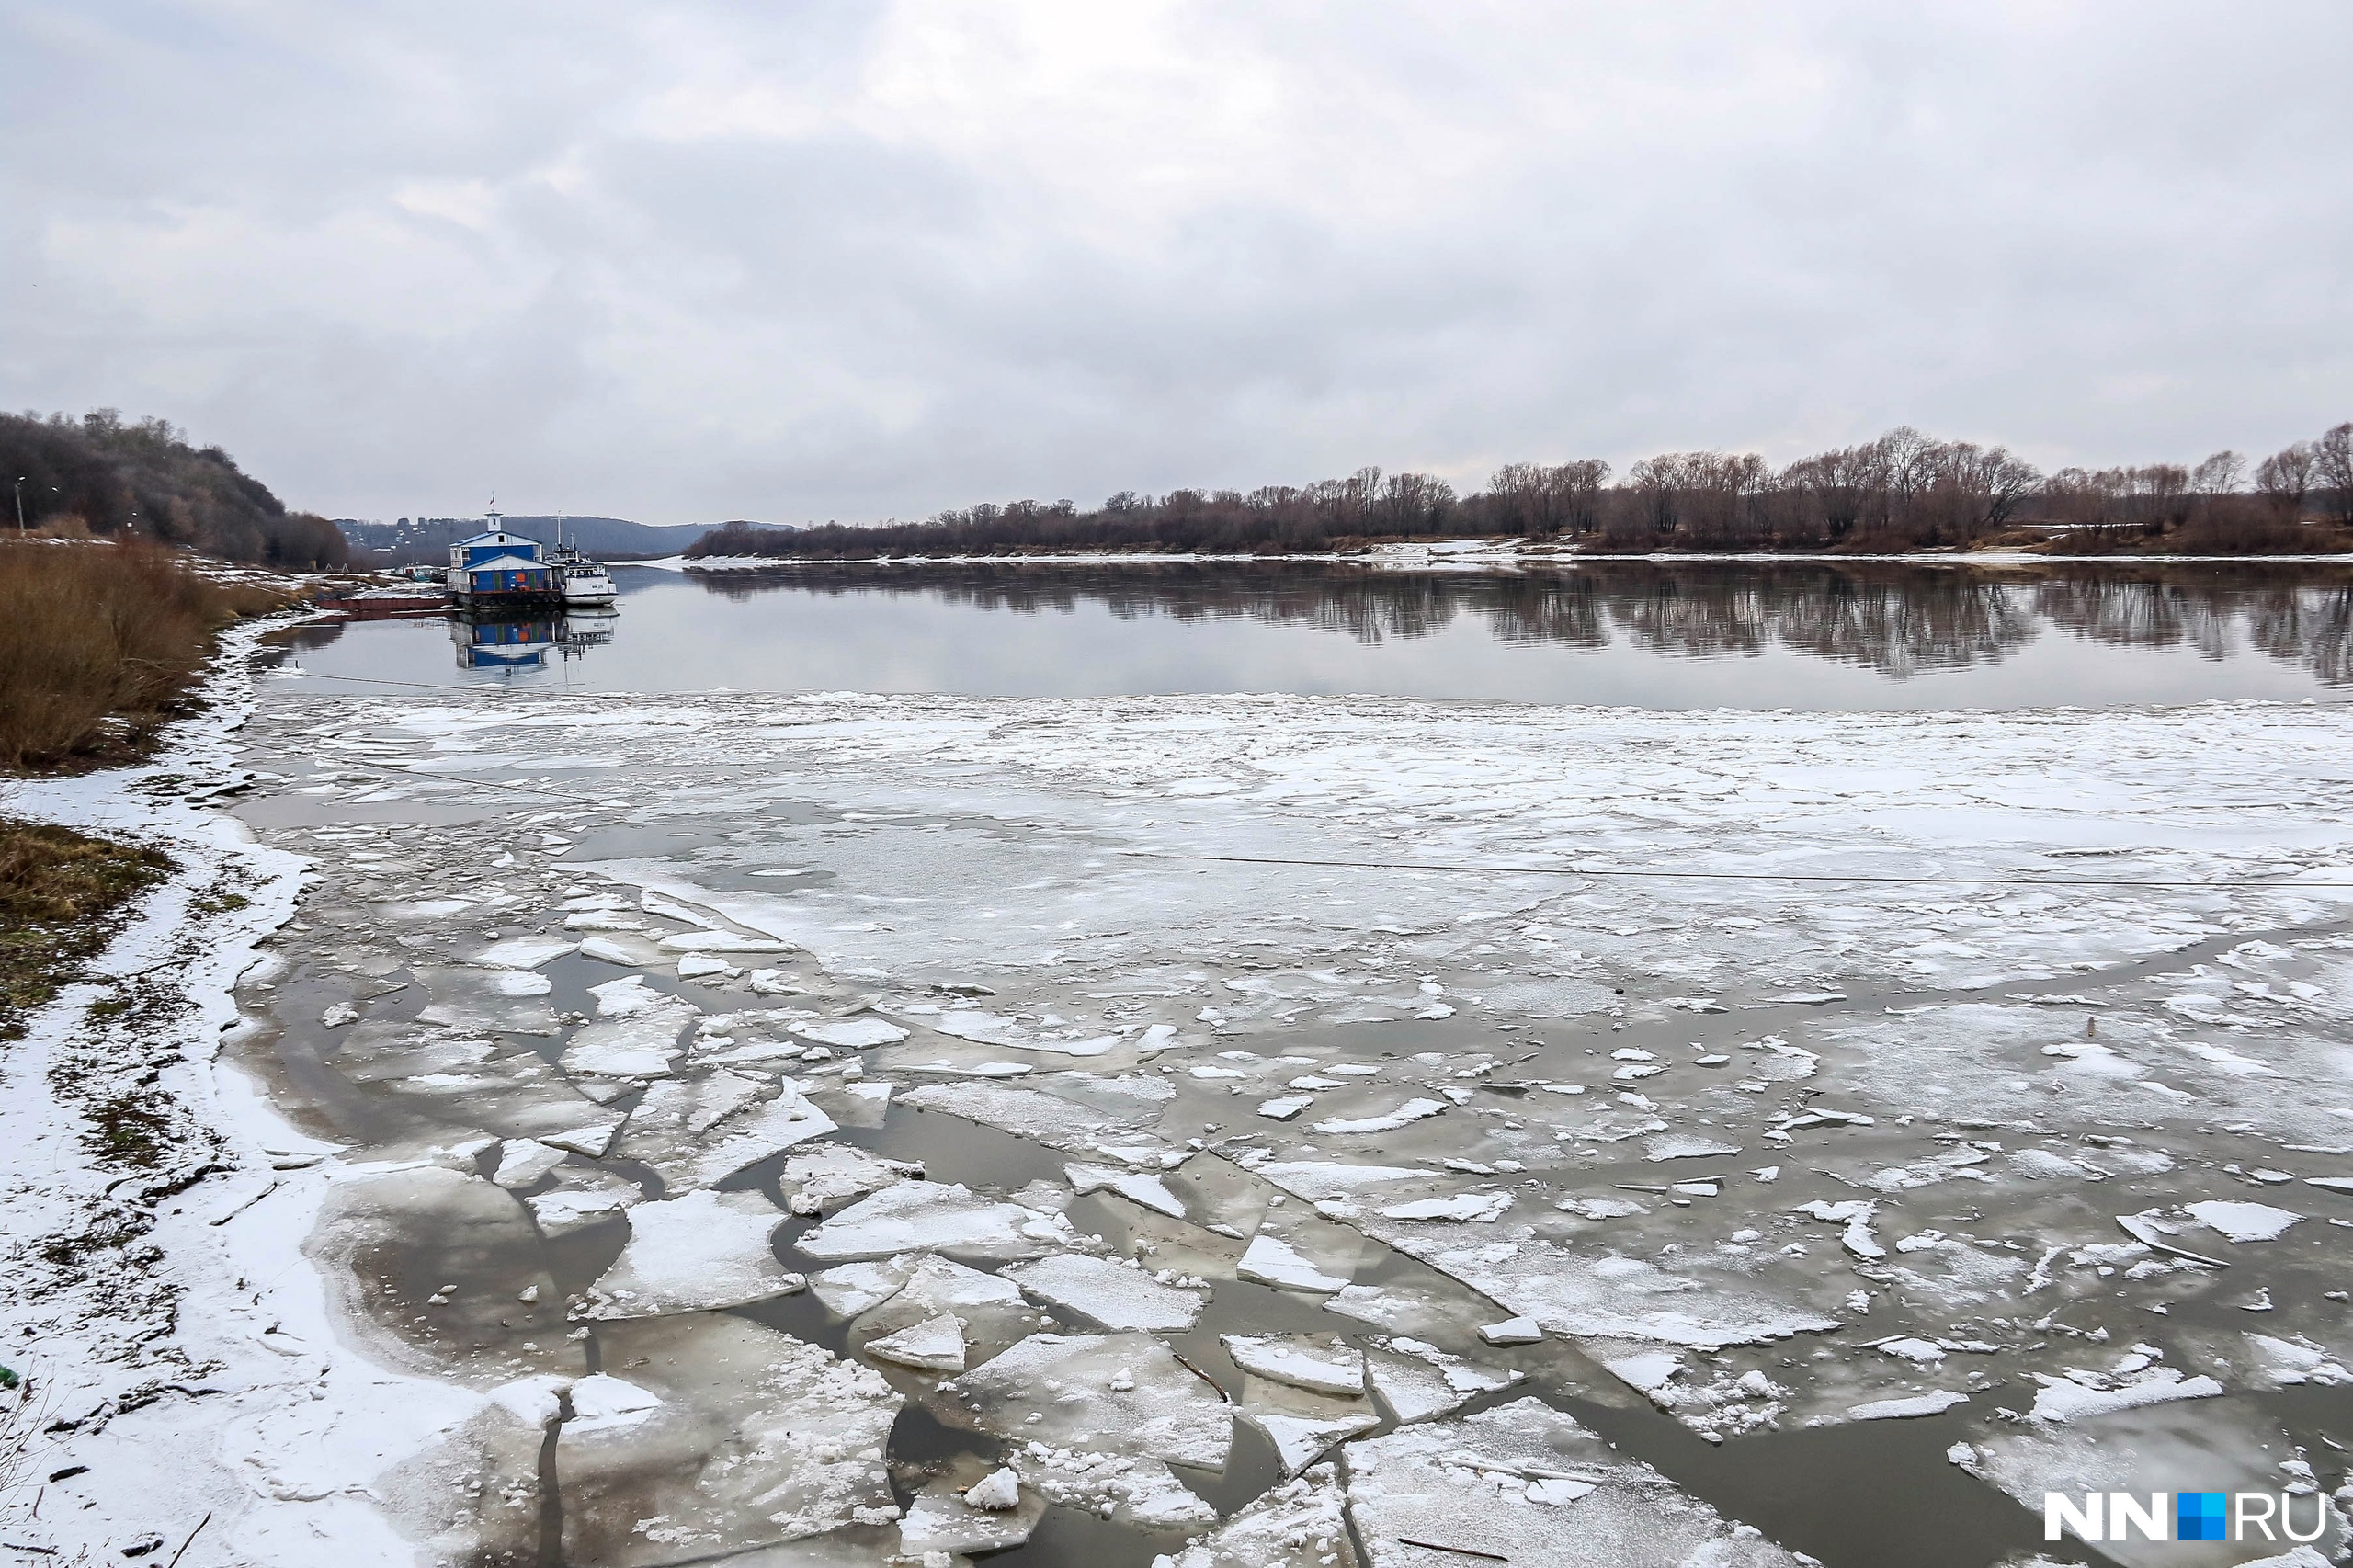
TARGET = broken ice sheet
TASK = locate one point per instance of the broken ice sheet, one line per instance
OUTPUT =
(429, 1267)
(827, 1176)
(1140, 1493)
(2229, 1445)
(474, 1494)
(988, 1309)
(935, 1345)
(697, 1131)
(1530, 1485)
(1295, 1525)
(1610, 1297)
(1122, 1394)
(1418, 1381)
(638, 1045)
(758, 1438)
(700, 1252)
(939, 1519)
(1115, 1295)
(914, 1216)
(1333, 1366)
(505, 1000)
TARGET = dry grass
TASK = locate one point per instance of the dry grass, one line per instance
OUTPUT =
(99, 644)
(61, 896)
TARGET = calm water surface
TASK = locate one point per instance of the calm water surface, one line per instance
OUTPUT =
(1757, 635)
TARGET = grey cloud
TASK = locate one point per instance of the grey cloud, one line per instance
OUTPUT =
(853, 261)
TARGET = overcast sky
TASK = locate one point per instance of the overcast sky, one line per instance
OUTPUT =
(682, 262)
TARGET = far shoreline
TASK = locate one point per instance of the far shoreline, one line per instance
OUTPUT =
(1478, 553)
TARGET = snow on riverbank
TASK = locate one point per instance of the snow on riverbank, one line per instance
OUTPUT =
(185, 1390)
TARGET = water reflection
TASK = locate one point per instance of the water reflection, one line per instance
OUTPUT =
(524, 642)
(1898, 620)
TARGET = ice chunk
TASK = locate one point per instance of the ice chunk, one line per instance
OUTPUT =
(1904, 1409)
(935, 1345)
(698, 1131)
(1124, 1394)
(999, 1490)
(2291, 1362)
(1513, 1330)
(852, 1034)
(758, 1438)
(1411, 1111)
(606, 1403)
(521, 1164)
(627, 998)
(981, 1028)
(1476, 1486)
(534, 1401)
(1480, 1207)
(698, 1252)
(1419, 1381)
(1284, 1109)
(1321, 1368)
(1271, 1261)
(2243, 1222)
(1318, 1180)
(1300, 1440)
(943, 1520)
(1113, 1294)
(592, 1140)
(1685, 1146)
(561, 1213)
(641, 1045)
(1295, 1525)
(852, 1288)
(2063, 1399)
(605, 949)
(830, 1174)
(916, 1216)
(523, 952)
(1136, 1188)
(721, 942)
(699, 966)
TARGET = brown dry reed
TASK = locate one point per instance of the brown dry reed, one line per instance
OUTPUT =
(99, 646)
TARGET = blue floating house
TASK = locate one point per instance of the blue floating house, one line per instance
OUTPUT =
(498, 567)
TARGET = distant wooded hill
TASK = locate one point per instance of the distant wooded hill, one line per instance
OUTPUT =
(427, 540)
(99, 476)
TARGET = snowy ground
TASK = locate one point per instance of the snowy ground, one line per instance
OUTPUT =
(766, 1120)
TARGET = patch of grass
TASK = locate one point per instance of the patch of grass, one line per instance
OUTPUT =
(62, 894)
(99, 646)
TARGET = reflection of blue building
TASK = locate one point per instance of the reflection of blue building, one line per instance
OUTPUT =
(503, 645)
(523, 643)
(498, 567)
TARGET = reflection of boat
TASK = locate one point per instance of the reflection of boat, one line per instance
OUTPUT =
(524, 642)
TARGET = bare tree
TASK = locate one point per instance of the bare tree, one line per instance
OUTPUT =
(2333, 460)
(2218, 474)
(2285, 477)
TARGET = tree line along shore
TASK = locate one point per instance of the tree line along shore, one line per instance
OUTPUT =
(1902, 492)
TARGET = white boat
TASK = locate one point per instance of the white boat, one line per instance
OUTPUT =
(585, 582)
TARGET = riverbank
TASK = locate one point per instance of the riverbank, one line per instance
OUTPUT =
(1490, 554)
(179, 1387)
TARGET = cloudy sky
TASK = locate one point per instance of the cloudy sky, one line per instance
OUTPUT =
(793, 260)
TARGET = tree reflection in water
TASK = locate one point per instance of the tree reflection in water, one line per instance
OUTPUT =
(1898, 619)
